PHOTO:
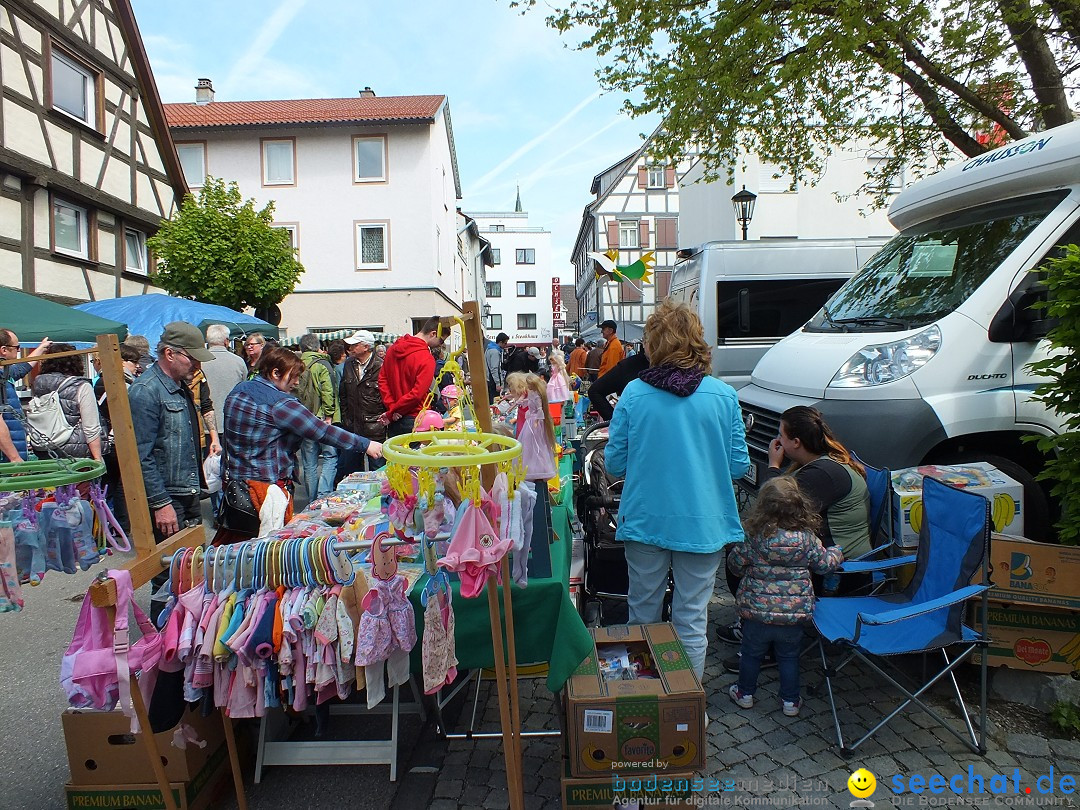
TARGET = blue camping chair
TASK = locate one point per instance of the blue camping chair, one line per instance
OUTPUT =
(927, 616)
(886, 526)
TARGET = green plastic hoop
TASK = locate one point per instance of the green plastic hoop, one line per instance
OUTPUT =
(450, 448)
(48, 473)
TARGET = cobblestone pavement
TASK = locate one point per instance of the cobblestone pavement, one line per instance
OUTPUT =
(775, 761)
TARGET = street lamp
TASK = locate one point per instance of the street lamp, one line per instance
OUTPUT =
(486, 312)
(743, 203)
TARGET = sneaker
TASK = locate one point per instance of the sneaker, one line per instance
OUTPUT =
(730, 634)
(741, 700)
(732, 664)
(791, 709)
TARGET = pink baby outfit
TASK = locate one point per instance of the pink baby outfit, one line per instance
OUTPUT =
(386, 636)
(439, 649)
(475, 551)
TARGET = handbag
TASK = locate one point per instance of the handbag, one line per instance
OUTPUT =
(236, 513)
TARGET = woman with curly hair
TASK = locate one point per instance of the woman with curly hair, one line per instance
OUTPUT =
(677, 436)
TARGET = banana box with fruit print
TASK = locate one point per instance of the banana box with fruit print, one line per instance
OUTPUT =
(1006, 495)
(1030, 573)
(1031, 638)
(650, 724)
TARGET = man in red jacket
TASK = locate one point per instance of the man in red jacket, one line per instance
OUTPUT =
(407, 372)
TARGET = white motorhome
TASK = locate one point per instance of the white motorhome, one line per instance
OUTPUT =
(922, 357)
(750, 294)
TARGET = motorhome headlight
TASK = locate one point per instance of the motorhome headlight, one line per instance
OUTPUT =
(888, 362)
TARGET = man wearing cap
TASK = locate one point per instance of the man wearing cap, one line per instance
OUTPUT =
(361, 402)
(407, 373)
(613, 351)
(167, 432)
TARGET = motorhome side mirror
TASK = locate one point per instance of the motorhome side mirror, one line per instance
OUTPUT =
(1018, 321)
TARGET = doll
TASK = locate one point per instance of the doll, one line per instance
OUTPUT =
(535, 430)
(558, 387)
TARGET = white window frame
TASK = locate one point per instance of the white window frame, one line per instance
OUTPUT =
(493, 289)
(523, 289)
(656, 177)
(524, 255)
(294, 233)
(90, 88)
(193, 182)
(358, 229)
(83, 220)
(264, 158)
(526, 325)
(140, 252)
(496, 321)
(384, 175)
(629, 234)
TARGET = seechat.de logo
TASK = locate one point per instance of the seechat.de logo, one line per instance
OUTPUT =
(1020, 566)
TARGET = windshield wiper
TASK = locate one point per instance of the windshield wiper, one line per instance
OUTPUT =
(829, 320)
(874, 321)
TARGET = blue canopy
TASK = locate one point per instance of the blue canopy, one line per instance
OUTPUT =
(147, 315)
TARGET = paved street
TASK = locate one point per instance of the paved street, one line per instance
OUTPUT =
(784, 760)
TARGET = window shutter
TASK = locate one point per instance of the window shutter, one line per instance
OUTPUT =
(669, 176)
(663, 284)
(643, 233)
(629, 294)
(642, 177)
(666, 233)
(613, 234)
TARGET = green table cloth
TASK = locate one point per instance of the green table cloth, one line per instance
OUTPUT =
(547, 627)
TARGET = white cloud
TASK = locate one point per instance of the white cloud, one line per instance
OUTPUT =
(250, 61)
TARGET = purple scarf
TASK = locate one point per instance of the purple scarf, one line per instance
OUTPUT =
(679, 381)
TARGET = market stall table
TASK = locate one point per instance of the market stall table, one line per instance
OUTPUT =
(547, 625)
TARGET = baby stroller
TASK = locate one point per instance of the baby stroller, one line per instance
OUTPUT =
(605, 580)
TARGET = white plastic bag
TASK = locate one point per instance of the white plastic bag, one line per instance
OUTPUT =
(212, 472)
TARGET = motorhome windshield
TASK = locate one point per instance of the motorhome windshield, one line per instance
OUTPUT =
(927, 271)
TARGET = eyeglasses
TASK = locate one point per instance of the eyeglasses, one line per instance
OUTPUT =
(184, 354)
(10, 346)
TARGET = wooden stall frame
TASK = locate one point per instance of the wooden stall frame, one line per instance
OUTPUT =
(148, 552)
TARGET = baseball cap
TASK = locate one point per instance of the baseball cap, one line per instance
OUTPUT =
(185, 336)
(534, 352)
(361, 336)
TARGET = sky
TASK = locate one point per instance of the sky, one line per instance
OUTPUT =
(526, 106)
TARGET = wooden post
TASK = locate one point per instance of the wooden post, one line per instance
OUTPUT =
(148, 552)
(509, 705)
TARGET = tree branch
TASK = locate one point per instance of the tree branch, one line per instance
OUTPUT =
(1031, 45)
(1068, 14)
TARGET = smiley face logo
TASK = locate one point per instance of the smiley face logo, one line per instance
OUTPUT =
(862, 784)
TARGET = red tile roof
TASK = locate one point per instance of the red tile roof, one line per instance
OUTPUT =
(304, 111)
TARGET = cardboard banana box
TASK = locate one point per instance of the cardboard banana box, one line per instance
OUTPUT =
(644, 725)
(1032, 639)
(1040, 574)
(1006, 495)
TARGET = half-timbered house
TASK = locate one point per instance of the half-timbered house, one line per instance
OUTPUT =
(87, 167)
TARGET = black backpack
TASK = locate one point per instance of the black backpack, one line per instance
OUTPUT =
(514, 359)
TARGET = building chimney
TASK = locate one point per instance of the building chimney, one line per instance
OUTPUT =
(204, 91)
(367, 92)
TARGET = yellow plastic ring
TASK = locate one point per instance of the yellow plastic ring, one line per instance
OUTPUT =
(460, 449)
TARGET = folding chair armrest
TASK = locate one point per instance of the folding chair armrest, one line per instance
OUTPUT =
(911, 611)
(858, 567)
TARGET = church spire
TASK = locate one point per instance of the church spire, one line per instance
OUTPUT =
(517, 205)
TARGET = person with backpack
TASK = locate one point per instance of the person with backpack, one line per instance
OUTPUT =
(63, 415)
(318, 392)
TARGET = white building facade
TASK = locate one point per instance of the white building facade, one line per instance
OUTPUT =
(827, 209)
(87, 168)
(522, 287)
(368, 188)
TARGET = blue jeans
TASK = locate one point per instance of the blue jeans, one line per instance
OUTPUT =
(318, 483)
(695, 576)
(786, 640)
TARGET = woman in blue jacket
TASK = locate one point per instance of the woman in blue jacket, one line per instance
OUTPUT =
(677, 436)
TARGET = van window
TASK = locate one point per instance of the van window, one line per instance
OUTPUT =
(926, 272)
(768, 309)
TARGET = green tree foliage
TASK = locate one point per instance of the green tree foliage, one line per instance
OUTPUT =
(219, 249)
(787, 79)
(1062, 391)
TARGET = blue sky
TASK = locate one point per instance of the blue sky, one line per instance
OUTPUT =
(526, 107)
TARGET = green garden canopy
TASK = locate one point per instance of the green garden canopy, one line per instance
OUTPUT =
(32, 318)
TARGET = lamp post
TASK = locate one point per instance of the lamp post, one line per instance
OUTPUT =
(743, 203)
(486, 314)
